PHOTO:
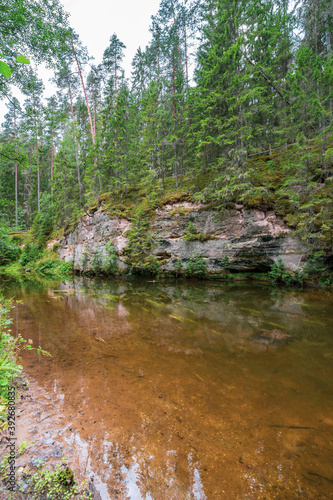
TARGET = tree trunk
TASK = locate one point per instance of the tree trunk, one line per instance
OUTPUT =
(16, 197)
(85, 93)
(37, 159)
(75, 143)
(186, 57)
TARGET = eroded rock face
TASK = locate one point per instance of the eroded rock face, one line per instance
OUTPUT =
(251, 239)
(91, 236)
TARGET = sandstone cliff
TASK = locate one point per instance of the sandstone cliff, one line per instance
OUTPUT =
(251, 239)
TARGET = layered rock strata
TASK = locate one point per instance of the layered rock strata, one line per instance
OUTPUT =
(248, 239)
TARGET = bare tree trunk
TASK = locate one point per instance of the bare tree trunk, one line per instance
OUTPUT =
(37, 159)
(85, 94)
(65, 201)
(94, 113)
(52, 155)
(178, 47)
(16, 197)
(176, 166)
(186, 57)
(75, 142)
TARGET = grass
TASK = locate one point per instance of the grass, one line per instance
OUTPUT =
(48, 264)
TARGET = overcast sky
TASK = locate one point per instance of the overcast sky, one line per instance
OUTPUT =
(95, 21)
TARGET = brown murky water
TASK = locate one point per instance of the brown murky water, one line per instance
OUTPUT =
(182, 390)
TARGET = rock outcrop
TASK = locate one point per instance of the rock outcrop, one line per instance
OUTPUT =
(251, 239)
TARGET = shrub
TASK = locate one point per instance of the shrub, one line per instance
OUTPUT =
(225, 262)
(31, 253)
(52, 265)
(151, 265)
(196, 266)
(178, 267)
(97, 262)
(111, 262)
(140, 245)
(9, 252)
(57, 485)
(190, 233)
(316, 268)
(84, 260)
(42, 225)
(278, 274)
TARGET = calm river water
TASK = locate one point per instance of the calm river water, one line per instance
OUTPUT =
(182, 389)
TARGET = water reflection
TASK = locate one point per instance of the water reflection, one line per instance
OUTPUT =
(183, 390)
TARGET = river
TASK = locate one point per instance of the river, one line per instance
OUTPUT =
(181, 389)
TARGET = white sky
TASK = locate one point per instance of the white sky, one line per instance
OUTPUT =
(95, 21)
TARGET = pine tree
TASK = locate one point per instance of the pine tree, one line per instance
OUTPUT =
(112, 57)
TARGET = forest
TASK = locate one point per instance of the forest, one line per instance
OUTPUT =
(251, 123)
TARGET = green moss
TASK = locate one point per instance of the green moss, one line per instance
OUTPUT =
(180, 211)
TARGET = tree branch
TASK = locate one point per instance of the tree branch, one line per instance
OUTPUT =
(11, 158)
(277, 90)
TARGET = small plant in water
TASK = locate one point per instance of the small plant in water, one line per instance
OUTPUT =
(56, 485)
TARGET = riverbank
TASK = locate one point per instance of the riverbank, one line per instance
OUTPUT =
(24, 473)
(41, 469)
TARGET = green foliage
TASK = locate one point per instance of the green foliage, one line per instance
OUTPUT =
(30, 254)
(97, 262)
(316, 269)
(111, 262)
(191, 234)
(140, 244)
(178, 267)
(279, 275)
(151, 265)
(196, 267)
(50, 265)
(85, 259)
(103, 264)
(42, 225)
(225, 262)
(6, 70)
(55, 485)
(23, 446)
(9, 252)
